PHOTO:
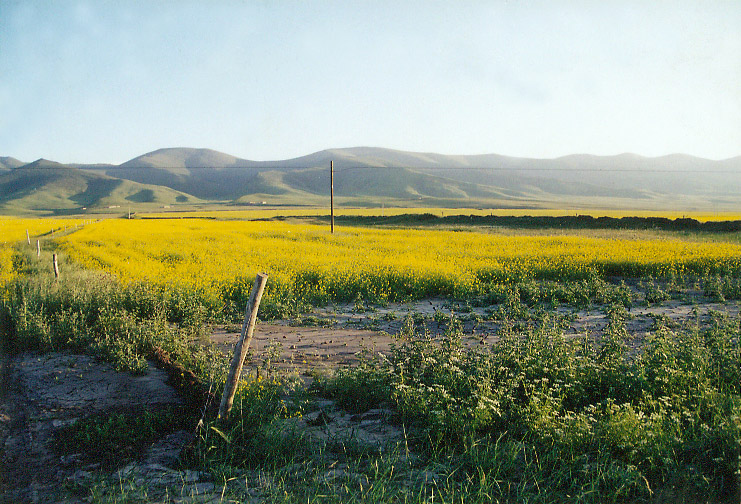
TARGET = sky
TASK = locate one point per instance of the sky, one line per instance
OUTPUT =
(106, 81)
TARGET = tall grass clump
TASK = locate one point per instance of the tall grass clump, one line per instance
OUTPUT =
(255, 436)
(94, 313)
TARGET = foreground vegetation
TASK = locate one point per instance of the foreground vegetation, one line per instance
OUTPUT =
(536, 417)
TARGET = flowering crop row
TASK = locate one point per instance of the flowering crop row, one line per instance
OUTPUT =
(13, 230)
(307, 262)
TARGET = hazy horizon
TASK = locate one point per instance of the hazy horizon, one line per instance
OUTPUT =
(447, 154)
(104, 82)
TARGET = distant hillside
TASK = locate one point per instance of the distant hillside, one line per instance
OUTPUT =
(371, 176)
(204, 173)
(8, 163)
(48, 186)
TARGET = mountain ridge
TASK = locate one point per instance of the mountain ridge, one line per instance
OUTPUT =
(374, 176)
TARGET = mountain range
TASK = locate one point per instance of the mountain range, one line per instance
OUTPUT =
(371, 176)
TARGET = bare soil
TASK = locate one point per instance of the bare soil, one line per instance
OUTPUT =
(46, 392)
(340, 335)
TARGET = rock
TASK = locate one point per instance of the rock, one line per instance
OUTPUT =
(71, 459)
(63, 423)
(317, 418)
(167, 451)
(79, 478)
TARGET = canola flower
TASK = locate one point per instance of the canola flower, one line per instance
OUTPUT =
(220, 258)
(13, 230)
(6, 264)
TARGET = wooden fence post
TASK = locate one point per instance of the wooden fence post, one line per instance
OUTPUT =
(240, 350)
(38, 248)
(56, 266)
(28, 238)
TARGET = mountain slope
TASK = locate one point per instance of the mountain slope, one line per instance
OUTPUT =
(204, 173)
(48, 186)
(8, 163)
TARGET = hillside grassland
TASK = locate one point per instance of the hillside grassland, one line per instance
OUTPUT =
(536, 415)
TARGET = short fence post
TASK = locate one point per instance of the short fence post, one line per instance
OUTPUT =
(240, 350)
(28, 238)
(56, 266)
(38, 248)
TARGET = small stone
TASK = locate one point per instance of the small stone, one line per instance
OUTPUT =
(79, 477)
(63, 423)
(317, 418)
(71, 459)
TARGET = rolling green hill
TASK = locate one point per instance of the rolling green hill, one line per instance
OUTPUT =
(371, 176)
(49, 187)
(204, 173)
(8, 163)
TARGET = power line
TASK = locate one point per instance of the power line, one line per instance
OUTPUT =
(418, 169)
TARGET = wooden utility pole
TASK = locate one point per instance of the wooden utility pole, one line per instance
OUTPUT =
(331, 196)
(240, 350)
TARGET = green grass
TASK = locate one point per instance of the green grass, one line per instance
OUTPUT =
(602, 425)
(90, 312)
(113, 439)
(56, 189)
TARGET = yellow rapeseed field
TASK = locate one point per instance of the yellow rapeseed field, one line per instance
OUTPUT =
(306, 260)
(13, 230)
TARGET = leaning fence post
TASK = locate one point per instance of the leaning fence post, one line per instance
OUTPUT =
(240, 350)
(28, 238)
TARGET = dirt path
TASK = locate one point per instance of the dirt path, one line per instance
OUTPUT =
(303, 349)
(44, 393)
(340, 335)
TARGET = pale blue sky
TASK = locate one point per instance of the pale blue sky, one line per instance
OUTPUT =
(99, 81)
